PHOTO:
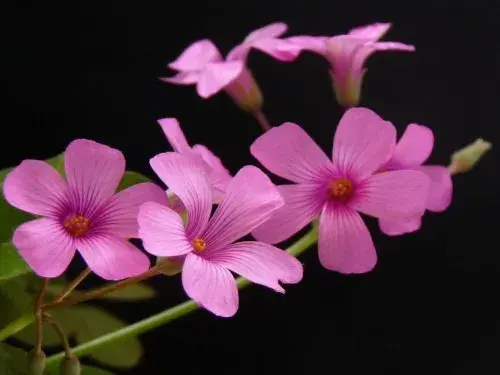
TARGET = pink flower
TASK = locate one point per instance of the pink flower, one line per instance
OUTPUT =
(412, 150)
(337, 190)
(81, 212)
(219, 175)
(202, 64)
(208, 244)
(347, 55)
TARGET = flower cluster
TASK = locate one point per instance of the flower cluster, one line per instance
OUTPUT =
(202, 63)
(369, 173)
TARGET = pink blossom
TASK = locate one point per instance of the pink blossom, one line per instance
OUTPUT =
(219, 175)
(347, 55)
(202, 64)
(412, 150)
(337, 190)
(208, 244)
(80, 213)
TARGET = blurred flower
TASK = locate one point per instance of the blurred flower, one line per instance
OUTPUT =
(208, 244)
(202, 64)
(347, 55)
(82, 213)
(337, 190)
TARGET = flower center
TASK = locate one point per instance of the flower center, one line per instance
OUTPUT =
(77, 225)
(199, 245)
(341, 189)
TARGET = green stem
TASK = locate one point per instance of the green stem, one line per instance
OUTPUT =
(170, 314)
(17, 325)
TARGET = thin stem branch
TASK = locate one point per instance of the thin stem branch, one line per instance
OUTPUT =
(38, 318)
(72, 285)
(60, 332)
(262, 120)
(170, 314)
(103, 290)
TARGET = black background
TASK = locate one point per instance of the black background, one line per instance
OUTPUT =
(84, 69)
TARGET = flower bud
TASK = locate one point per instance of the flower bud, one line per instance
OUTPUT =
(245, 92)
(36, 362)
(464, 159)
(347, 88)
(169, 266)
(70, 366)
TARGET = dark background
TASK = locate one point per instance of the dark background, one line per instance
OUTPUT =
(84, 69)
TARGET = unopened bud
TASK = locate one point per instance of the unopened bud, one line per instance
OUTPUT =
(169, 266)
(245, 92)
(464, 159)
(36, 364)
(70, 366)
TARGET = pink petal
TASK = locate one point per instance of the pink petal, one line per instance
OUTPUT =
(210, 285)
(216, 76)
(93, 172)
(183, 78)
(303, 203)
(273, 30)
(189, 179)
(162, 231)
(45, 245)
(340, 51)
(174, 134)
(345, 245)
(398, 227)
(281, 50)
(414, 147)
(220, 175)
(34, 186)
(310, 43)
(441, 188)
(363, 143)
(371, 32)
(394, 46)
(393, 195)
(239, 52)
(196, 56)
(119, 216)
(251, 198)
(112, 258)
(366, 50)
(289, 152)
(260, 263)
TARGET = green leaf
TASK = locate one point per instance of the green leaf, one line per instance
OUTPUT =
(126, 353)
(16, 294)
(13, 361)
(11, 263)
(58, 163)
(86, 370)
(85, 323)
(131, 178)
(63, 316)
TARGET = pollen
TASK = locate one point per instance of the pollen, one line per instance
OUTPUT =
(199, 244)
(77, 225)
(341, 189)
